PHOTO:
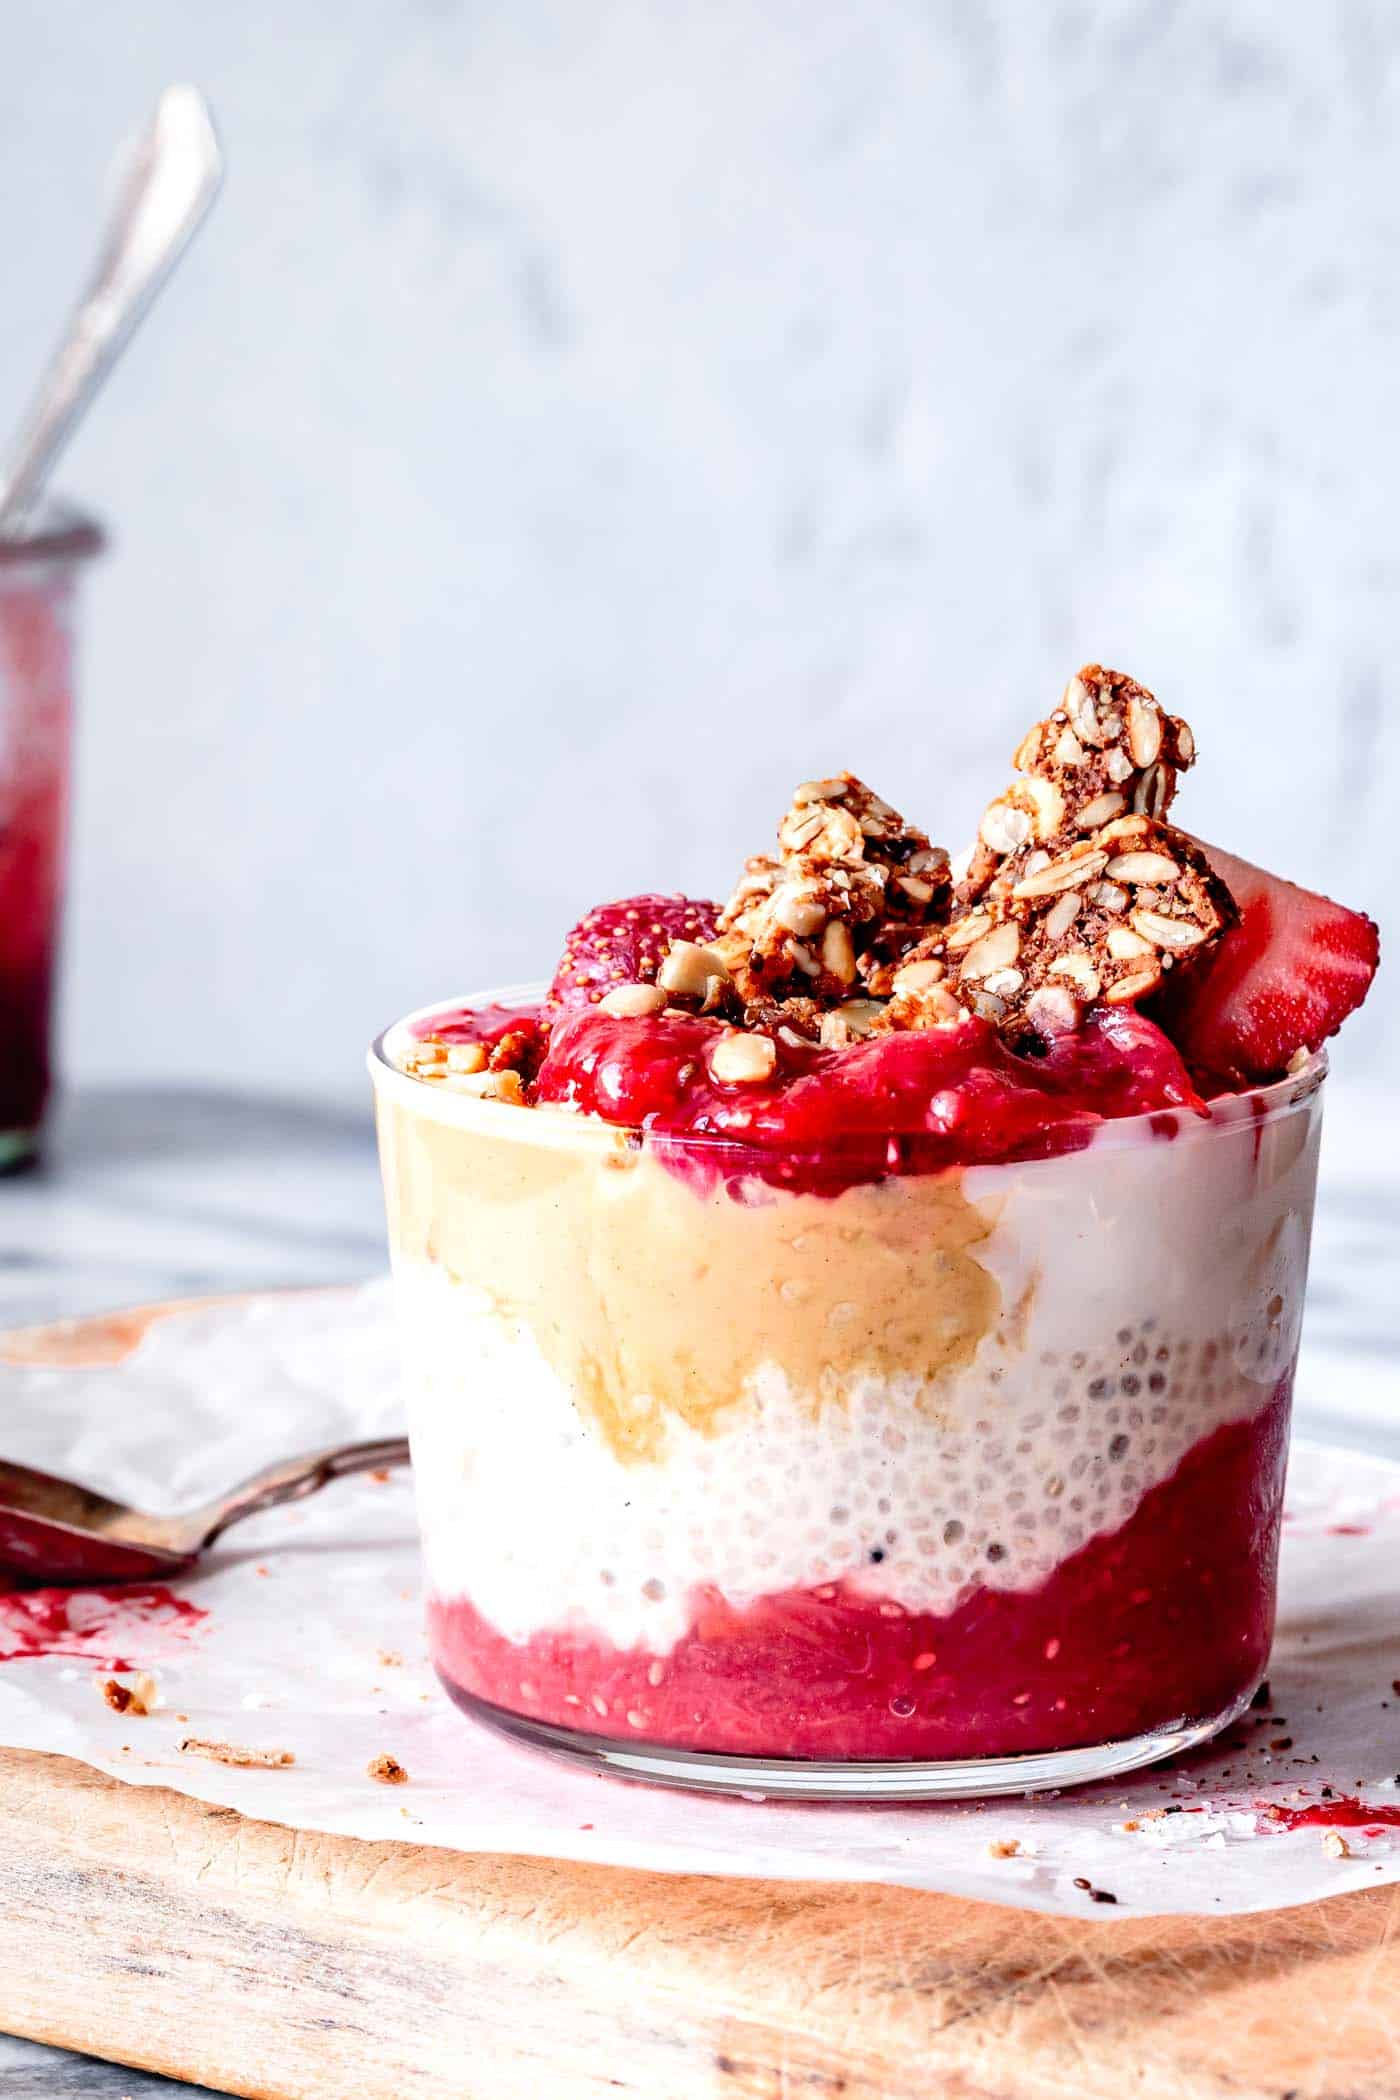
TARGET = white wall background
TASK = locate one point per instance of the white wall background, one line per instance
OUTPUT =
(581, 421)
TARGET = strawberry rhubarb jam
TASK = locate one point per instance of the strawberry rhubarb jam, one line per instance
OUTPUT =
(854, 1326)
(36, 587)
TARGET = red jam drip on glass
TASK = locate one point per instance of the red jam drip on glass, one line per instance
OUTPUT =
(477, 1024)
(894, 1104)
(1167, 1619)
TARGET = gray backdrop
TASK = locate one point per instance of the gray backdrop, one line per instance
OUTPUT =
(581, 421)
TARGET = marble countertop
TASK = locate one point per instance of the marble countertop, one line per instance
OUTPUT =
(153, 1193)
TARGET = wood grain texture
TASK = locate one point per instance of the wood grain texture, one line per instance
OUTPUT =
(158, 1931)
(153, 1929)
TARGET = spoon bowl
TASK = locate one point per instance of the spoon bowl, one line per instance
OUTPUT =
(57, 1533)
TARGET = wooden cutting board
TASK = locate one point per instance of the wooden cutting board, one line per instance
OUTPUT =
(152, 1929)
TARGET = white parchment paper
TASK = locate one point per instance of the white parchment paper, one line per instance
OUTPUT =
(311, 1642)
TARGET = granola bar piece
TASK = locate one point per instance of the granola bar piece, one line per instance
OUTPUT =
(1101, 920)
(387, 1770)
(1107, 751)
(852, 888)
(221, 1753)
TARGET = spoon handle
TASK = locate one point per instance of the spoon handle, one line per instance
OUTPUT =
(286, 1481)
(174, 179)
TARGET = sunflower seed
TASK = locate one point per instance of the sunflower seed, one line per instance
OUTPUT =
(630, 1002)
(818, 791)
(1133, 987)
(963, 932)
(1061, 874)
(1143, 867)
(1005, 828)
(1079, 970)
(996, 950)
(1150, 794)
(743, 1060)
(796, 913)
(1083, 715)
(1099, 811)
(918, 976)
(1062, 915)
(1174, 934)
(1124, 945)
(838, 952)
(1144, 730)
(688, 970)
(800, 834)
(1053, 1009)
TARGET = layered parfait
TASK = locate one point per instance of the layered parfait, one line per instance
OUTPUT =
(854, 1325)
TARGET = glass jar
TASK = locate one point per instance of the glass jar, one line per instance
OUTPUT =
(951, 1483)
(38, 578)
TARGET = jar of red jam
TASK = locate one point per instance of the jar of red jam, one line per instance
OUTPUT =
(38, 584)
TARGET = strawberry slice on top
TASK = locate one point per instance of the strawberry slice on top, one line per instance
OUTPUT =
(624, 943)
(1281, 981)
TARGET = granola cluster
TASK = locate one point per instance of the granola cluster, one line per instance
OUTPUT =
(1107, 751)
(1101, 917)
(1077, 889)
(1078, 892)
(498, 1071)
(852, 889)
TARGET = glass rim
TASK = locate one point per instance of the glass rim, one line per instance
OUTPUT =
(57, 531)
(551, 1124)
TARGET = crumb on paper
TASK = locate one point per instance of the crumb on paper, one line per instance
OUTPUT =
(387, 1770)
(381, 1475)
(232, 1753)
(1335, 1845)
(1004, 1848)
(138, 1697)
(389, 1659)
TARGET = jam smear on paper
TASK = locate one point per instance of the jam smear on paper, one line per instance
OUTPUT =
(113, 1629)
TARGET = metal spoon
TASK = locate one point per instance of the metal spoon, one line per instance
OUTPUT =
(173, 180)
(55, 1532)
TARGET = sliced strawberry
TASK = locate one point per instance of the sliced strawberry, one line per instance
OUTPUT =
(623, 943)
(1283, 980)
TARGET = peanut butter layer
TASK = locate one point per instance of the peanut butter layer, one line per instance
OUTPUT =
(655, 1303)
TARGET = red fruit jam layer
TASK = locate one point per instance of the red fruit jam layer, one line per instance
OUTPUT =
(1168, 1619)
(894, 1104)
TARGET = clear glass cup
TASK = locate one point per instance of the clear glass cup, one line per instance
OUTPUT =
(953, 1483)
(38, 579)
